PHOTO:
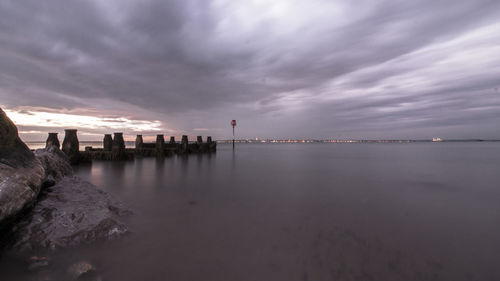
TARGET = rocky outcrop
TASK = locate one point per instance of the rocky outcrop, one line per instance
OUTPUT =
(70, 213)
(55, 163)
(21, 173)
(19, 187)
(68, 210)
(13, 151)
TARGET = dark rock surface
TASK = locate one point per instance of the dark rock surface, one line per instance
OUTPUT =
(70, 213)
(19, 187)
(21, 173)
(83, 271)
(55, 163)
(41, 205)
(13, 151)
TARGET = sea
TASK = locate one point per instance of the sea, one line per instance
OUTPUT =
(304, 212)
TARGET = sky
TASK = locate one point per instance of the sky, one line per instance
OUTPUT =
(318, 69)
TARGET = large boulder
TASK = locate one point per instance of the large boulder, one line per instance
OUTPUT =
(65, 211)
(21, 173)
(13, 151)
(55, 163)
(70, 213)
(19, 188)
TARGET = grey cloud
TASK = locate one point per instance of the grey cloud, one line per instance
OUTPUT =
(169, 59)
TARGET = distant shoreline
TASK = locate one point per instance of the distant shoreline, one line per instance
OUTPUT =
(353, 141)
(307, 141)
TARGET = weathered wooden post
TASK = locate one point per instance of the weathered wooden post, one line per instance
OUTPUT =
(71, 146)
(172, 140)
(184, 144)
(138, 142)
(118, 147)
(118, 142)
(160, 145)
(52, 140)
(107, 142)
(202, 147)
(212, 146)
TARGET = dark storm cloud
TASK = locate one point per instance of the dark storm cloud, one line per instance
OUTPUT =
(285, 68)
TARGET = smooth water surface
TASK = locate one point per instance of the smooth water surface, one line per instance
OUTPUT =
(417, 211)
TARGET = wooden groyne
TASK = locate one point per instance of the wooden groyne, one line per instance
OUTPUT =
(114, 147)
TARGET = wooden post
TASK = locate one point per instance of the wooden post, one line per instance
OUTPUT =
(118, 147)
(138, 142)
(184, 144)
(71, 146)
(107, 142)
(52, 140)
(118, 142)
(160, 145)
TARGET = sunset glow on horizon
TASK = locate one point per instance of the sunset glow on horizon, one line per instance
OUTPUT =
(91, 126)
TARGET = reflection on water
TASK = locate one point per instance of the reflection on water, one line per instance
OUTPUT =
(419, 211)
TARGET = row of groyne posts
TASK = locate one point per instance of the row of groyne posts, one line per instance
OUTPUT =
(114, 147)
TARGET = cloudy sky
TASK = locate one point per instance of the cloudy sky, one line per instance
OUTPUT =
(282, 68)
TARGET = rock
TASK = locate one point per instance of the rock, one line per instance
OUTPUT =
(55, 162)
(19, 187)
(83, 271)
(13, 151)
(70, 213)
(21, 174)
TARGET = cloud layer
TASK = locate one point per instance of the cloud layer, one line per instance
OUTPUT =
(319, 69)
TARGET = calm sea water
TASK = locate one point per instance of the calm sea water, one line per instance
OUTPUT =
(417, 211)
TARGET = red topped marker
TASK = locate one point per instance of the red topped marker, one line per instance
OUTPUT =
(233, 123)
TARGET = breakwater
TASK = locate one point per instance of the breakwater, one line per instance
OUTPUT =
(114, 147)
